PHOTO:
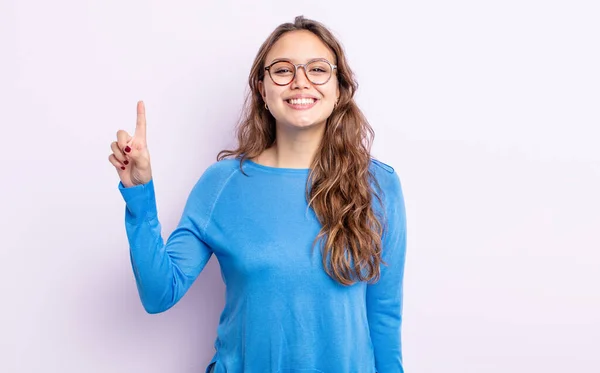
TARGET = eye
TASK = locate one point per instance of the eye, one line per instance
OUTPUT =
(282, 68)
(318, 68)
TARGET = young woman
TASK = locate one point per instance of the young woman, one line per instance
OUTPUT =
(309, 230)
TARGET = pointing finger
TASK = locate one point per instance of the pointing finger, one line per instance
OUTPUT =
(140, 127)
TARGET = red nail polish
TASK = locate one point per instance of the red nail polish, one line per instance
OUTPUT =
(126, 162)
(127, 149)
(122, 167)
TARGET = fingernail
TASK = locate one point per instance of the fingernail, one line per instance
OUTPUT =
(122, 167)
(126, 162)
(127, 149)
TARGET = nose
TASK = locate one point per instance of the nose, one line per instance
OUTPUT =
(300, 80)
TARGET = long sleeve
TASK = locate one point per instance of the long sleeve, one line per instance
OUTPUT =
(384, 298)
(165, 271)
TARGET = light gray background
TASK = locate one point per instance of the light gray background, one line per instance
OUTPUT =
(488, 110)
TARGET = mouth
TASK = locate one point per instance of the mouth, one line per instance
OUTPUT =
(301, 103)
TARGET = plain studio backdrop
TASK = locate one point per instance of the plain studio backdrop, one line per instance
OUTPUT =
(488, 111)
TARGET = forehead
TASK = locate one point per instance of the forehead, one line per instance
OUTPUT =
(299, 46)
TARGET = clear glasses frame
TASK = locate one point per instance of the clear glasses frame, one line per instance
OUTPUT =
(303, 66)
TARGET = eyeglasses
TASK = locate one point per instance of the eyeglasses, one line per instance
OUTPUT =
(317, 71)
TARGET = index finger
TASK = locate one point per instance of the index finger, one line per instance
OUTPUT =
(140, 126)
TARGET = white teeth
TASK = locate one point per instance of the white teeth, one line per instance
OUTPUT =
(301, 101)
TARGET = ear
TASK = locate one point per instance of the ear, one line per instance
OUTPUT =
(261, 89)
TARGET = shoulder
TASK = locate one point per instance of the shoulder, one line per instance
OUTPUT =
(385, 175)
(221, 170)
(388, 186)
(377, 164)
(216, 176)
(392, 196)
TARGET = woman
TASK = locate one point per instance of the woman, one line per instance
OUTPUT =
(308, 229)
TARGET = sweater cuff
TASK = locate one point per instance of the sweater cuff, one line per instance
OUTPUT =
(140, 200)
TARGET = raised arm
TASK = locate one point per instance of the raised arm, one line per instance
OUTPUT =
(163, 271)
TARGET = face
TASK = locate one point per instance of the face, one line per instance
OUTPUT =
(300, 104)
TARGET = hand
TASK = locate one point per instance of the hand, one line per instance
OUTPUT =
(130, 155)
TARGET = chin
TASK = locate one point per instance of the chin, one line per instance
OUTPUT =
(303, 120)
(304, 123)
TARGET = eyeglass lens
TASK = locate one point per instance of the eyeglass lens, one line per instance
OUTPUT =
(318, 72)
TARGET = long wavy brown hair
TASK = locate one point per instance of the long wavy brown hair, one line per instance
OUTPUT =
(340, 187)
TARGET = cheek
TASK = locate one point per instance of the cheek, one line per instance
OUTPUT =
(273, 92)
(330, 92)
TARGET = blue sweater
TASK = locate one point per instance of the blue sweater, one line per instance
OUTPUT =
(283, 313)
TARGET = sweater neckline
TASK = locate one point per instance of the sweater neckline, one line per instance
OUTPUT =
(277, 170)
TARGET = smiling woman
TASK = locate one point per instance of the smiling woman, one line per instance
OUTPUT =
(301, 178)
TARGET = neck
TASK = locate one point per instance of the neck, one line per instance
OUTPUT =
(293, 148)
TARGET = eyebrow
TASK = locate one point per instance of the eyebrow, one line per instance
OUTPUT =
(290, 60)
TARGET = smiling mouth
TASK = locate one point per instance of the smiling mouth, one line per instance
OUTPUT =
(301, 101)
